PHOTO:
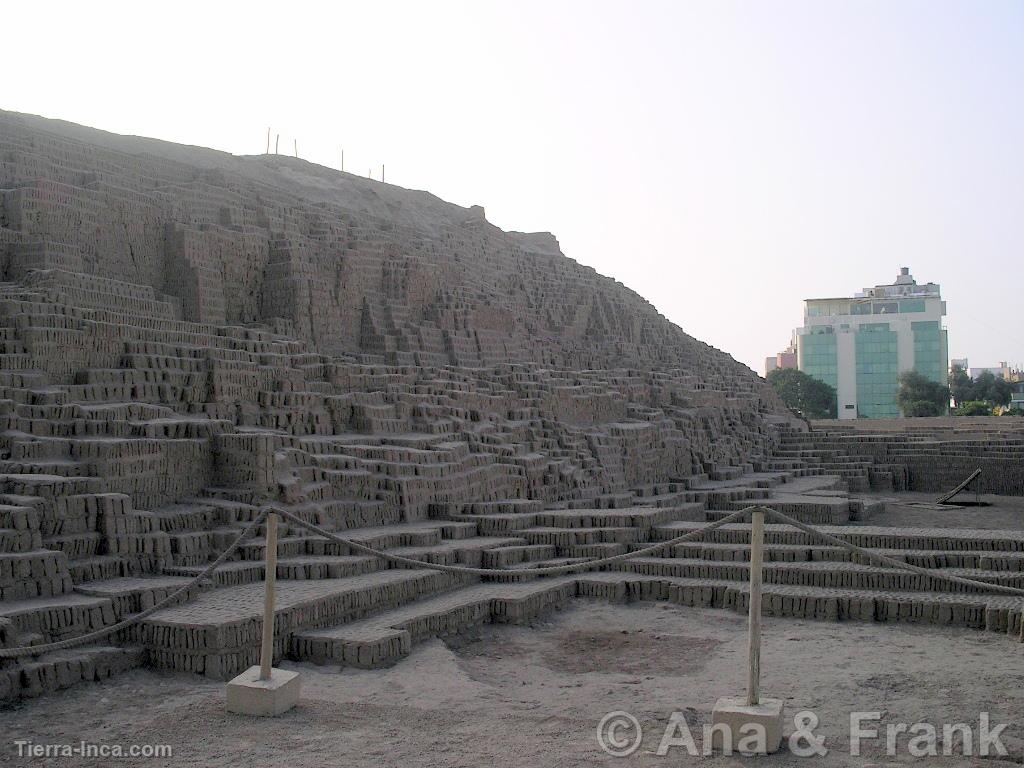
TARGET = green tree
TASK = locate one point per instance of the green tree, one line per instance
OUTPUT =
(920, 396)
(961, 386)
(974, 408)
(806, 395)
(983, 386)
(984, 393)
(1001, 391)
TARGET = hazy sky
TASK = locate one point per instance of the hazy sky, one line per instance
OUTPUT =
(725, 160)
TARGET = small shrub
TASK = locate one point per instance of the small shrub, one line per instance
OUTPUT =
(974, 408)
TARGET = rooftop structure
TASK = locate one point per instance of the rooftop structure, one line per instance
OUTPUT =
(859, 345)
(784, 359)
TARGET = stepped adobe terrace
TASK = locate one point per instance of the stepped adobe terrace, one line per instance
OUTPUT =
(121, 480)
(185, 337)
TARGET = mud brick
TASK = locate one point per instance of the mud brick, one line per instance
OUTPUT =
(183, 340)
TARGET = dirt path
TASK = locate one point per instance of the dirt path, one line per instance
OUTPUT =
(526, 697)
(1005, 512)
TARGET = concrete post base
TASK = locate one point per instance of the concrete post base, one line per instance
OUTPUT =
(742, 721)
(248, 695)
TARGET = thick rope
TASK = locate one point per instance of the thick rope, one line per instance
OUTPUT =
(35, 650)
(505, 573)
(892, 562)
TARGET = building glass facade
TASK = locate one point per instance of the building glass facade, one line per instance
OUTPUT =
(930, 350)
(819, 356)
(859, 345)
(877, 371)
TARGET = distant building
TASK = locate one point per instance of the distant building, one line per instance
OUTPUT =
(1002, 371)
(783, 359)
(859, 345)
(958, 362)
(1017, 396)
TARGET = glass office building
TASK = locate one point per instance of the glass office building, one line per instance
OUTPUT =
(860, 345)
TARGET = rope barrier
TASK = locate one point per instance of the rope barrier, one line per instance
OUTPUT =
(505, 573)
(34, 650)
(586, 565)
(892, 562)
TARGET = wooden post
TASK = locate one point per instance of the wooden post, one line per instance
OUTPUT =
(269, 579)
(754, 636)
(343, 161)
(296, 147)
(277, 142)
(268, 141)
(382, 171)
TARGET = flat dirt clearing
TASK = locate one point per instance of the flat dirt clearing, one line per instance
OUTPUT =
(532, 697)
(1005, 512)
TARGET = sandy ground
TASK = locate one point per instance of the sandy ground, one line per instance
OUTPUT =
(533, 697)
(520, 696)
(1005, 512)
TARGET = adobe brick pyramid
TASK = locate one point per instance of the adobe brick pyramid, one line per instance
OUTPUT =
(199, 295)
(186, 335)
(346, 264)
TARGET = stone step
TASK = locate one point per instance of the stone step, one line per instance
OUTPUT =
(325, 567)
(389, 637)
(48, 486)
(469, 552)
(501, 507)
(817, 510)
(724, 498)
(636, 517)
(672, 499)
(499, 524)
(35, 573)
(287, 546)
(177, 518)
(58, 670)
(130, 595)
(218, 633)
(51, 467)
(19, 541)
(568, 537)
(872, 537)
(593, 551)
(990, 561)
(76, 545)
(993, 612)
(101, 567)
(516, 554)
(58, 617)
(824, 574)
(229, 574)
(386, 639)
(604, 501)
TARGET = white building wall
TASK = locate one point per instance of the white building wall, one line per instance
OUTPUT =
(904, 341)
(846, 326)
(846, 375)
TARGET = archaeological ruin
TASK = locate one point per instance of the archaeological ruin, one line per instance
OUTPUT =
(188, 336)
